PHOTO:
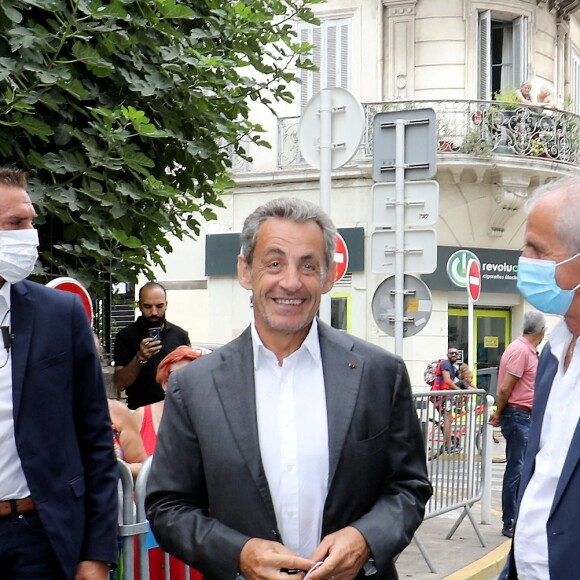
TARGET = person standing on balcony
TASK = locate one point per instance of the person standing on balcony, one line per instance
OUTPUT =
(544, 97)
(547, 525)
(515, 396)
(524, 93)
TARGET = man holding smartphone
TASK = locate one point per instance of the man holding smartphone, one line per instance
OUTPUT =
(141, 346)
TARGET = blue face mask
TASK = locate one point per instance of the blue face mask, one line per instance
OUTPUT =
(537, 284)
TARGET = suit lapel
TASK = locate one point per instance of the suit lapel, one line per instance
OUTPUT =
(547, 368)
(234, 382)
(568, 468)
(22, 318)
(342, 377)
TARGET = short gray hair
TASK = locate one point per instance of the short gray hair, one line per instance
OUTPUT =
(292, 209)
(566, 226)
(534, 322)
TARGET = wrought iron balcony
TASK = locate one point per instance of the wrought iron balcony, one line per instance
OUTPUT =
(468, 128)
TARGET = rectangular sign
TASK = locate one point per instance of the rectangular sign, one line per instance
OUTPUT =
(421, 204)
(419, 249)
(420, 144)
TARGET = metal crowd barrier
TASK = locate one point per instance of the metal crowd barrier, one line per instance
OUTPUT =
(134, 528)
(455, 433)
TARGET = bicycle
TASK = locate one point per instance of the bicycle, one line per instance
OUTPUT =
(460, 423)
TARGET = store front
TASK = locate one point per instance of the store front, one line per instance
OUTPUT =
(491, 335)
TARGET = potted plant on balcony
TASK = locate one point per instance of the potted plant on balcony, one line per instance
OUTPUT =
(475, 143)
(444, 135)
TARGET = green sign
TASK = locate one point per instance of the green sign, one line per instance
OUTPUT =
(498, 269)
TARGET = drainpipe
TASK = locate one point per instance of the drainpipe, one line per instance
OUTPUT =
(381, 50)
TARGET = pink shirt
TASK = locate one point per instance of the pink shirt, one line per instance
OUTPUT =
(520, 359)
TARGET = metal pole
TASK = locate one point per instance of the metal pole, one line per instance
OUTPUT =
(325, 175)
(399, 234)
(487, 466)
(470, 332)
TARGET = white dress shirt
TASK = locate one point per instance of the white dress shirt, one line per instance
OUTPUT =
(560, 421)
(293, 433)
(12, 480)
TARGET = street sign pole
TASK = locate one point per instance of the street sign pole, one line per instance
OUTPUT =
(329, 135)
(399, 235)
(470, 329)
(404, 149)
(325, 178)
(473, 294)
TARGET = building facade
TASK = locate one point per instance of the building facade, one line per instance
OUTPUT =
(461, 58)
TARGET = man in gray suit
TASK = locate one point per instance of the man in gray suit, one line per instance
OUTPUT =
(295, 443)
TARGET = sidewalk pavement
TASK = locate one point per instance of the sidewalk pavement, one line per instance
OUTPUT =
(460, 558)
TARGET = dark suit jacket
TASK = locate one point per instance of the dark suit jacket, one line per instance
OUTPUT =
(208, 454)
(62, 426)
(563, 526)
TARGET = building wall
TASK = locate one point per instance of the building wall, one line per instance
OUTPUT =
(423, 49)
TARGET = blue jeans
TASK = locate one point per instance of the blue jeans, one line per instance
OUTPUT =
(25, 551)
(515, 427)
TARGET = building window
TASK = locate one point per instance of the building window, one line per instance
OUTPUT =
(502, 54)
(331, 54)
(340, 311)
(575, 106)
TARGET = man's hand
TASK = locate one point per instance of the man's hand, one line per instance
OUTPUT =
(495, 419)
(148, 348)
(92, 570)
(344, 553)
(264, 560)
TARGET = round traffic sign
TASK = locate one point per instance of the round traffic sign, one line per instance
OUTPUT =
(418, 305)
(347, 127)
(474, 280)
(341, 258)
(72, 285)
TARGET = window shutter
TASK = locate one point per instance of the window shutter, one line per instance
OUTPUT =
(331, 54)
(520, 25)
(576, 83)
(484, 56)
(344, 55)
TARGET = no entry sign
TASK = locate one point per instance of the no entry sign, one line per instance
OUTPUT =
(71, 285)
(474, 280)
(341, 258)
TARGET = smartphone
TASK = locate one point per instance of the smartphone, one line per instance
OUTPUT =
(155, 333)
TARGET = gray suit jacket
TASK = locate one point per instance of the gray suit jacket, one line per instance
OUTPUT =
(208, 456)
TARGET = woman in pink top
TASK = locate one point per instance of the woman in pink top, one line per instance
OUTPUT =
(148, 419)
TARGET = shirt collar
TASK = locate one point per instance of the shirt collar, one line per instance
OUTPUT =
(310, 345)
(528, 344)
(5, 293)
(560, 340)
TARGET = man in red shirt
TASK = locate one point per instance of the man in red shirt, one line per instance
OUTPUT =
(515, 395)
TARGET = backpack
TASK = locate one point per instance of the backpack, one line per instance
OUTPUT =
(432, 371)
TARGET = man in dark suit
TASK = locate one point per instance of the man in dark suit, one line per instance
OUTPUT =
(58, 472)
(295, 443)
(548, 516)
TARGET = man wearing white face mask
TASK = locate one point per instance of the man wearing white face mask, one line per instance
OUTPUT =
(548, 516)
(58, 472)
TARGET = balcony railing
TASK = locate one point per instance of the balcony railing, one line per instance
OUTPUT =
(476, 128)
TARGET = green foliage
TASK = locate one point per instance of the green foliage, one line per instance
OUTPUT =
(508, 96)
(126, 113)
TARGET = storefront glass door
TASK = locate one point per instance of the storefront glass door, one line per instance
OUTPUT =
(492, 335)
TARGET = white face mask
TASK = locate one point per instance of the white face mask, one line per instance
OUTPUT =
(18, 254)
